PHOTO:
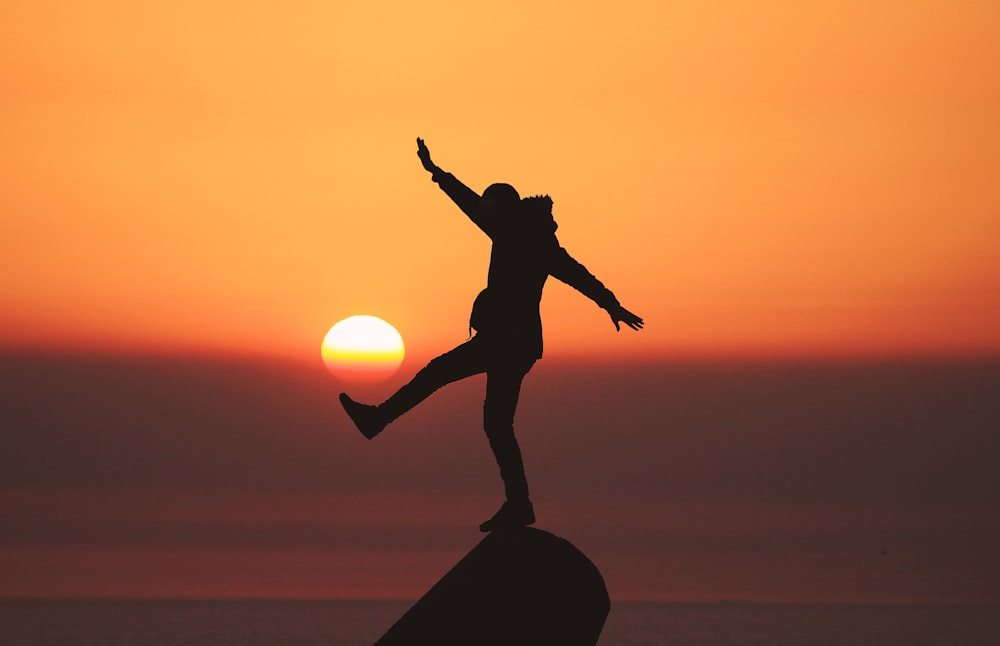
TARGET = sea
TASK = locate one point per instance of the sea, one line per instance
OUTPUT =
(356, 623)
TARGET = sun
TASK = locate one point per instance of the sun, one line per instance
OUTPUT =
(363, 348)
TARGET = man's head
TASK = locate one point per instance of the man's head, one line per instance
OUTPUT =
(499, 198)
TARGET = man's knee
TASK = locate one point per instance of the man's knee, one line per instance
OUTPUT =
(497, 423)
(441, 368)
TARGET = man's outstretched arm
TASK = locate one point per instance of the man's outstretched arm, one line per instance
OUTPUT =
(568, 270)
(466, 198)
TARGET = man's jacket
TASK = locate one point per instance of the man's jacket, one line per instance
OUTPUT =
(525, 253)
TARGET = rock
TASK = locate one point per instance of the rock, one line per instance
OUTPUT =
(521, 586)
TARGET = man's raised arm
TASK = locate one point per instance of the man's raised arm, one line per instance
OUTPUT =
(466, 198)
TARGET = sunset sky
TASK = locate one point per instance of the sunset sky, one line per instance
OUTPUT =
(751, 177)
(193, 193)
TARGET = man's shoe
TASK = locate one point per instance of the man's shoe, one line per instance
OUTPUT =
(367, 418)
(512, 514)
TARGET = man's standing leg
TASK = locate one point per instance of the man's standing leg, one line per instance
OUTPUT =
(503, 387)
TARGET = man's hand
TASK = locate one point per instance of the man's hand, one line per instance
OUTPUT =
(621, 315)
(425, 157)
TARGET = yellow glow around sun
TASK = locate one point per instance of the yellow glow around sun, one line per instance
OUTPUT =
(363, 347)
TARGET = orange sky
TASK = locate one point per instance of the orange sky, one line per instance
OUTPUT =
(751, 177)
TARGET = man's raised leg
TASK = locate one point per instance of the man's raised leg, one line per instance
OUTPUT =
(459, 363)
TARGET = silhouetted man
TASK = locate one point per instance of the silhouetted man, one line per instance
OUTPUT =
(505, 316)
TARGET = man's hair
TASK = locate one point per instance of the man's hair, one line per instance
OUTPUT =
(504, 194)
